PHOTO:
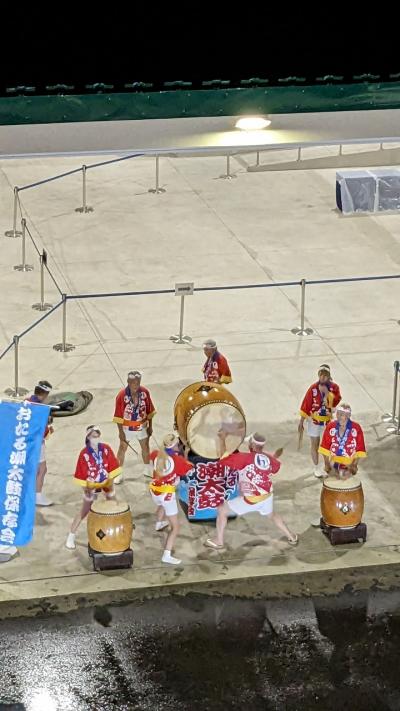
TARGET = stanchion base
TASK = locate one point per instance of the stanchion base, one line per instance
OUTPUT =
(302, 331)
(11, 392)
(156, 190)
(84, 209)
(227, 177)
(64, 348)
(12, 233)
(42, 307)
(179, 339)
(24, 268)
(393, 429)
(388, 417)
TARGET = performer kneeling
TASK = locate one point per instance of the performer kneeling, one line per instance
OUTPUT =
(96, 468)
(254, 471)
(169, 467)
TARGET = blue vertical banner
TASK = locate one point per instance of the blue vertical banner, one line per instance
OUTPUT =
(22, 426)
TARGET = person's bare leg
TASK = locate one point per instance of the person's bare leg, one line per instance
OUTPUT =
(160, 514)
(279, 523)
(41, 473)
(167, 557)
(80, 515)
(222, 520)
(145, 447)
(314, 444)
(85, 508)
(123, 446)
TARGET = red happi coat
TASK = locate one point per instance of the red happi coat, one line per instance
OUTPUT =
(176, 467)
(88, 473)
(353, 448)
(312, 403)
(216, 369)
(125, 411)
(254, 473)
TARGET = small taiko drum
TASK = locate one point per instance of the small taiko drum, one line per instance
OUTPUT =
(203, 409)
(109, 526)
(342, 502)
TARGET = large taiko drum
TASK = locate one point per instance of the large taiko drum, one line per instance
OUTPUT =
(342, 502)
(201, 411)
(109, 526)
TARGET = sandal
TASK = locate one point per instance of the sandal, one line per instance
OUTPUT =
(211, 544)
(293, 541)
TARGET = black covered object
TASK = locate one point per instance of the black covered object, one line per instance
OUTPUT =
(70, 403)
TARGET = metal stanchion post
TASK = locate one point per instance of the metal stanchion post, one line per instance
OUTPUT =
(395, 428)
(298, 154)
(23, 267)
(182, 289)
(228, 175)
(391, 416)
(258, 158)
(302, 330)
(42, 305)
(157, 189)
(64, 347)
(85, 207)
(16, 391)
(14, 232)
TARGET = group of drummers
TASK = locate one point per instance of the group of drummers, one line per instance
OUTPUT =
(332, 432)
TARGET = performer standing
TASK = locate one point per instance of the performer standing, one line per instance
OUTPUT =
(134, 412)
(342, 444)
(169, 467)
(317, 406)
(255, 469)
(216, 368)
(96, 468)
(40, 395)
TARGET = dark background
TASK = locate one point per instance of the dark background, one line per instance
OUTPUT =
(75, 46)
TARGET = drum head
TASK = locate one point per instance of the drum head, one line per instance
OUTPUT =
(342, 484)
(203, 427)
(109, 506)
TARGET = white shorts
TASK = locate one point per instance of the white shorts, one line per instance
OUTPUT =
(314, 430)
(135, 434)
(167, 501)
(240, 507)
(42, 453)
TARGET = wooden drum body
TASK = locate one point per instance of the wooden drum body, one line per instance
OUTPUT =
(203, 409)
(342, 502)
(109, 526)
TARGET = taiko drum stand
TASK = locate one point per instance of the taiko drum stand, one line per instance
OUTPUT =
(338, 535)
(111, 561)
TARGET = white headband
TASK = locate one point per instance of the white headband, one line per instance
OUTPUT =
(92, 428)
(341, 408)
(253, 440)
(45, 388)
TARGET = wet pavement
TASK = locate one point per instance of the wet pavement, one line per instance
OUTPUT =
(240, 663)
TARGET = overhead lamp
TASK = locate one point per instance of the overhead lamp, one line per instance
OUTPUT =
(252, 123)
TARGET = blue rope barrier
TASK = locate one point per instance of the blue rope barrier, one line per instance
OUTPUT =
(78, 170)
(42, 318)
(347, 279)
(6, 350)
(49, 180)
(114, 160)
(232, 287)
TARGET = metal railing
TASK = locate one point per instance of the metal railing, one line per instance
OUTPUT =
(302, 330)
(175, 152)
